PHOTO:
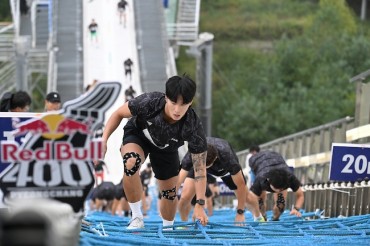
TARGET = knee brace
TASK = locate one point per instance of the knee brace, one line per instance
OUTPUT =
(167, 194)
(136, 167)
(280, 203)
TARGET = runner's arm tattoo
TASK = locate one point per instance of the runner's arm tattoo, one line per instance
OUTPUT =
(199, 164)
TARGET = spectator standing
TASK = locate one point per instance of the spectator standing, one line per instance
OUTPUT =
(52, 102)
(18, 101)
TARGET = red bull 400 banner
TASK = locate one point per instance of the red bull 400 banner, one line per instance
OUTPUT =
(50, 155)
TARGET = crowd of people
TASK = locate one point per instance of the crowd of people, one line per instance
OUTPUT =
(20, 101)
(158, 124)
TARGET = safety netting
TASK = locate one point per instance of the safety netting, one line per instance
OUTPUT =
(102, 228)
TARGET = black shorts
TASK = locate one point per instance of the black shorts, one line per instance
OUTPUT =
(105, 191)
(165, 165)
(208, 195)
(92, 194)
(211, 179)
(228, 180)
(119, 192)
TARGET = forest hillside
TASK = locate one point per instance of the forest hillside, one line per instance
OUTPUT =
(280, 66)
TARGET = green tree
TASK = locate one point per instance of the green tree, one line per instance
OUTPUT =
(301, 83)
(5, 14)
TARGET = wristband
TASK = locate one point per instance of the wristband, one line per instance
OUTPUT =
(296, 208)
(200, 202)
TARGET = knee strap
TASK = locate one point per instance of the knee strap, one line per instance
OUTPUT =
(166, 194)
(133, 170)
(280, 203)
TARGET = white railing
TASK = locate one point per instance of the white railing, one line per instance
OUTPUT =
(33, 17)
(52, 72)
(186, 28)
(171, 68)
(37, 60)
(6, 28)
(7, 77)
(182, 31)
(14, 7)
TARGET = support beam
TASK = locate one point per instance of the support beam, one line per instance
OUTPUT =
(202, 50)
(363, 9)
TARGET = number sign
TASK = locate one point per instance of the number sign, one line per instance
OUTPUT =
(349, 162)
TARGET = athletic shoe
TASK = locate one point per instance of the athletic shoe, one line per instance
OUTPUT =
(135, 223)
(260, 219)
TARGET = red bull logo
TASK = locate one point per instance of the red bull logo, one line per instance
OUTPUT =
(53, 126)
(59, 151)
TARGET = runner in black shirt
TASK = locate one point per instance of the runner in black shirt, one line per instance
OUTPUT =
(127, 64)
(121, 7)
(99, 171)
(103, 195)
(158, 124)
(274, 175)
(130, 93)
(120, 202)
(221, 162)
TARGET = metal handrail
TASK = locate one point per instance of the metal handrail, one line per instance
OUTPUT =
(6, 27)
(185, 30)
(7, 76)
(51, 83)
(38, 60)
(14, 8)
(33, 18)
(307, 132)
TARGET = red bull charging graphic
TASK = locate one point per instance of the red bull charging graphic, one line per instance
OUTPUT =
(50, 155)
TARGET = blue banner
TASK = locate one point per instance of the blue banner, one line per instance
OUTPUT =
(8, 125)
(349, 162)
(224, 189)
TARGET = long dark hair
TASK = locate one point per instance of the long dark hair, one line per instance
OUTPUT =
(10, 101)
(5, 102)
